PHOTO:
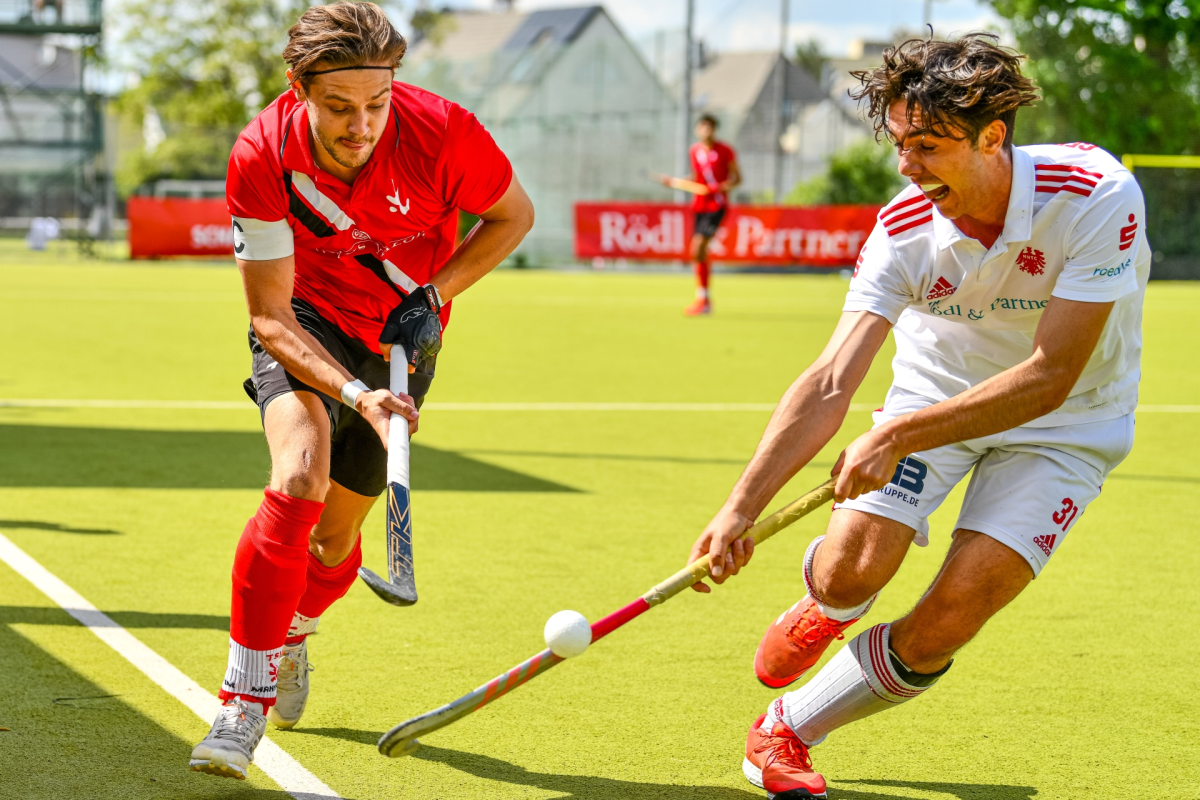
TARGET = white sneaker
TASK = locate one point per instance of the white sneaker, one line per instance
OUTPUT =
(291, 690)
(229, 747)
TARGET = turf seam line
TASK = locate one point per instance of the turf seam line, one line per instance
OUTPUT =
(281, 767)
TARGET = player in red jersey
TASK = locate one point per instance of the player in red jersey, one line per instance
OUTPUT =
(345, 194)
(714, 164)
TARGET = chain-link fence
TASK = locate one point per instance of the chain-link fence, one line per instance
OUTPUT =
(1172, 219)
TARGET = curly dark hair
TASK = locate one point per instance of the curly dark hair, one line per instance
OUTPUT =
(960, 86)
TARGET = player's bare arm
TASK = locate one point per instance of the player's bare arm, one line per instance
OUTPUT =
(268, 286)
(735, 178)
(810, 413)
(1066, 337)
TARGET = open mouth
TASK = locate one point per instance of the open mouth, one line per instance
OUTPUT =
(934, 191)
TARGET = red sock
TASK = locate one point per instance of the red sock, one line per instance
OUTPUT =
(703, 270)
(269, 570)
(326, 585)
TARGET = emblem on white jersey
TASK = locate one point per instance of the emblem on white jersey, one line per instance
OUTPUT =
(394, 199)
(943, 288)
(1031, 261)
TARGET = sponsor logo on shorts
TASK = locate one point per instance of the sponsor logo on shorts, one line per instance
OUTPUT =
(909, 480)
(1046, 542)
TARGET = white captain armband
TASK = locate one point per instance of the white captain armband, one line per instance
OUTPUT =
(351, 390)
(255, 240)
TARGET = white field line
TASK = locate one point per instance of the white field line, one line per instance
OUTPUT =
(279, 766)
(245, 405)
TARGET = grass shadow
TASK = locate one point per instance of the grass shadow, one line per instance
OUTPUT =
(42, 615)
(75, 739)
(39, 525)
(576, 786)
(963, 791)
(53, 456)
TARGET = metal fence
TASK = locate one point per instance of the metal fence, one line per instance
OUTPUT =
(1171, 185)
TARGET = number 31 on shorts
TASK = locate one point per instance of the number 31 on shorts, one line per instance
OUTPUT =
(1066, 514)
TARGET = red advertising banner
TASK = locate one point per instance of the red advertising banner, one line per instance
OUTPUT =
(173, 226)
(823, 236)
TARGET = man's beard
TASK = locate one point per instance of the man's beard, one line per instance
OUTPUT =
(349, 159)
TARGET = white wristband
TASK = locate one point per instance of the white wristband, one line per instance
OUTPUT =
(351, 391)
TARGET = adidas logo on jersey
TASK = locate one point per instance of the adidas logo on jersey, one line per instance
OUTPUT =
(943, 288)
(1045, 542)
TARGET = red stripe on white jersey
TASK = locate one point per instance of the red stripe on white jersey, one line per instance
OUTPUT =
(1055, 178)
(906, 215)
(913, 223)
(1063, 187)
(1067, 168)
(890, 213)
(1062, 177)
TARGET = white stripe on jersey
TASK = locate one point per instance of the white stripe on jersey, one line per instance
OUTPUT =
(329, 209)
(398, 277)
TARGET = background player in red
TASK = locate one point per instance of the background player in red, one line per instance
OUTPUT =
(345, 194)
(714, 164)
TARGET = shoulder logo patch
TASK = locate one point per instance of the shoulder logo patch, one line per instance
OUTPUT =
(1127, 234)
(1032, 261)
(906, 215)
(943, 288)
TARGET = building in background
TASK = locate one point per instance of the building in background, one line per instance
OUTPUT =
(52, 161)
(567, 97)
(742, 91)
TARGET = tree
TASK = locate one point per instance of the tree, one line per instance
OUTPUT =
(809, 56)
(1123, 74)
(205, 69)
(864, 172)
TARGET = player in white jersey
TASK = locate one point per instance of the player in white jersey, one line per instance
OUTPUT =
(1012, 279)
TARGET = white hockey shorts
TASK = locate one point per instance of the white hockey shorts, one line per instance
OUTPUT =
(1029, 487)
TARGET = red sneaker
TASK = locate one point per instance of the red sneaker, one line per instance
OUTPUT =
(794, 642)
(778, 762)
(698, 307)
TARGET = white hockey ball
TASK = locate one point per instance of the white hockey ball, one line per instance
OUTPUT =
(568, 634)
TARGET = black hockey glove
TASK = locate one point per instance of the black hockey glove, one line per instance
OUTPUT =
(413, 326)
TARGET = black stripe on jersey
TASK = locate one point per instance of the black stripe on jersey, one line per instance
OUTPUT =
(302, 212)
(376, 266)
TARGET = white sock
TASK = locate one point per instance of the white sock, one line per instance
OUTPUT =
(250, 674)
(838, 614)
(701, 293)
(857, 682)
(300, 629)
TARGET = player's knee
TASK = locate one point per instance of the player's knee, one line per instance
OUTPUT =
(843, 585)
(305, 484)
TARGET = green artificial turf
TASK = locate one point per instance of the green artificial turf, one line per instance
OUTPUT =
(1081, 688)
